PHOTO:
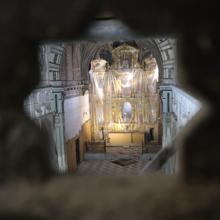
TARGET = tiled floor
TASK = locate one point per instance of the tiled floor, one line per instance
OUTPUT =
(124, 152)
(107, 168)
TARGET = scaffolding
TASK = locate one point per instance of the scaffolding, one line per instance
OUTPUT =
(124, 96)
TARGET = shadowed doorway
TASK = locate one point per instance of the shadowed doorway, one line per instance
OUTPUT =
(77, 151)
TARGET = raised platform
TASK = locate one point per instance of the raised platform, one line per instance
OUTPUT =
(99, 147)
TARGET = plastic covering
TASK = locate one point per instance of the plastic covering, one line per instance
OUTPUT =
(124, 95)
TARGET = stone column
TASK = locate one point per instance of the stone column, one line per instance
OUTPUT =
(58, 102)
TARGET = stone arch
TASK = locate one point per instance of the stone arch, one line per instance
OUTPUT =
(164, 52)
(163, 49)
(88, 52)
(152, 46)
(167, 48)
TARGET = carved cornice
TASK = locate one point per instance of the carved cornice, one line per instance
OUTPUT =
(75, 90)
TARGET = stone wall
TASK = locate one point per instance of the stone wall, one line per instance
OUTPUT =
(76, 113)
(57, 85)
(184, 107)
(23, 146)
(179, 107)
